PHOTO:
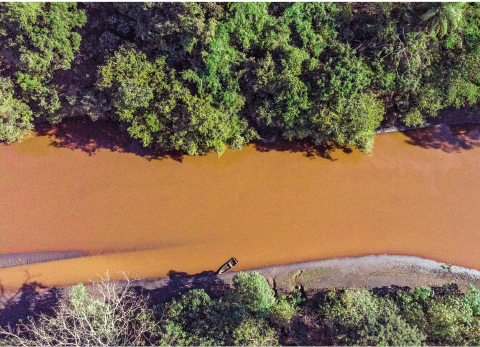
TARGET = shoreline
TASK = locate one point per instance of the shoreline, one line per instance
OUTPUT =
(16, 259)
(383, 273)
(446, 119)
(465, 120)
(368, 272)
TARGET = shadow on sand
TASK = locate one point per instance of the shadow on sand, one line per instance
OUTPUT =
(180, 282)
(34, 298)
(305, 329)
(31, 300)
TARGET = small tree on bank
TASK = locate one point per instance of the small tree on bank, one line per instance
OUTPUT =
(103, 317)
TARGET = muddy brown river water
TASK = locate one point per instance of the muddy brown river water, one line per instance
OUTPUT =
(79, 188)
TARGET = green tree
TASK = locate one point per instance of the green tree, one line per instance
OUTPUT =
(196, 319)
(163, 112)
(39, 39)
(350, 122)
(359, 318)
(256, 294)
(15, 116)
(104, 316)
(444, 18)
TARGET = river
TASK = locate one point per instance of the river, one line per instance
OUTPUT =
(80, 186)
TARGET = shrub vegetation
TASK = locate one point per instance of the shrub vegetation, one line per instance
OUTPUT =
(250, 313)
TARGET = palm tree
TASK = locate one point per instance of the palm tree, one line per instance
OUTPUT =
(444, 17)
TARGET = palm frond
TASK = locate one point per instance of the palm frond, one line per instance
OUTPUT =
(429, 14)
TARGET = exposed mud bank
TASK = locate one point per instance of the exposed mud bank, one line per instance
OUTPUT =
(383, 272)
(370, 271)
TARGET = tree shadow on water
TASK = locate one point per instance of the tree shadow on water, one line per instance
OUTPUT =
(89, 136)
(449, 139)
(31, 300)
(306, 147)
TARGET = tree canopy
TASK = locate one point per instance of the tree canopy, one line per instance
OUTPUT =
(206, 76)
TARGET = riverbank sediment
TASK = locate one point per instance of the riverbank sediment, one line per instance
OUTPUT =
(369, 271)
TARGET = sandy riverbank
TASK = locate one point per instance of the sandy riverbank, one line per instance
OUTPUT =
(370, 271)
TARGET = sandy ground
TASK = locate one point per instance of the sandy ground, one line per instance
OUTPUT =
(383, 272)
(371, 271)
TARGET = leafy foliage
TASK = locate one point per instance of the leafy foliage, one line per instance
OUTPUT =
(359, 318)
(15, 116)
(162, 111)
(446, 17)
(39, 40)
(103, 316)
(207, 76)
(196, 319)
(351, 121)
(250, 314)
(239, 317)
(255, 292)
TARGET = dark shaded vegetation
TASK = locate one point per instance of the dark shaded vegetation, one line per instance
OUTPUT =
(203, 310)
(196, 77)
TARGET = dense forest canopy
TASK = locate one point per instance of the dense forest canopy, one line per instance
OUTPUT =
(204, 76)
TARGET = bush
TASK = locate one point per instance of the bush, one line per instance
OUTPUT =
(162, 112)
(103, 317)
(254, 332)
(255, 292)
(358, 317)
(15, 116)
(350, 122)
(198, 77)
(285, 308)
(249, 314)
(195, 319)
(41, 40)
